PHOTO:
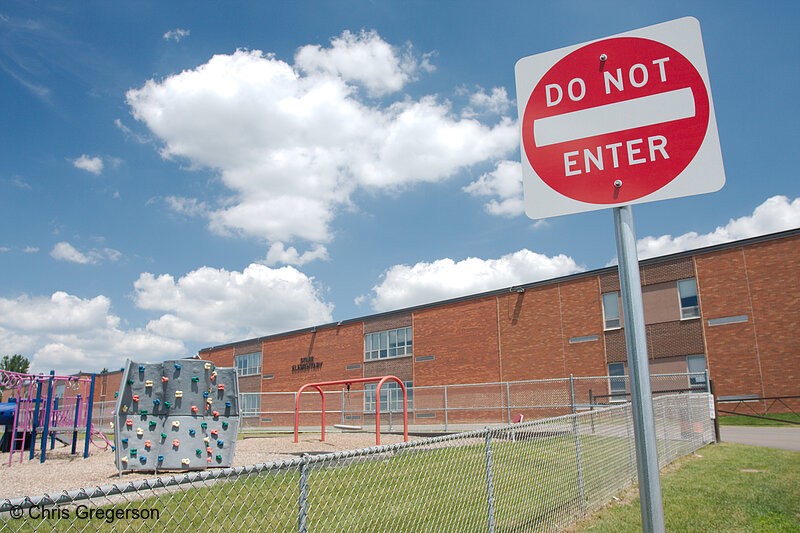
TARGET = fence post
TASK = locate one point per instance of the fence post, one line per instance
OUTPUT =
(666, 435)
(691, 419)
(508, 401)
(445, 407)
(343, 417)
(716, 415)
(628, 418)
(302, 519)
(489, 496)
(576, 432)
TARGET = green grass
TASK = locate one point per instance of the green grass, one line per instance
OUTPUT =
(731, 487)
(740, 420)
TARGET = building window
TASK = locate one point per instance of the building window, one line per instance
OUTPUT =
(391, 396)
(611, 310)
(390, 343)
(616, 381)
(250, 404)
(696, 366)
(690, 305)
(248, 364)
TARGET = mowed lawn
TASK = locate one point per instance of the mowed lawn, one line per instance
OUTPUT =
(724, 487)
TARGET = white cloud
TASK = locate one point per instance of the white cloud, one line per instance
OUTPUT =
(505, 182)
(364, 58)
(5, 249)
(64, 251)
(89, 164)
(68, 333)
(186, 206)
(496, 101)
(293, 142)
(215, 305)
(404, 286)
(775, 214)
(279, 254)
(30, 250)
(175, 35)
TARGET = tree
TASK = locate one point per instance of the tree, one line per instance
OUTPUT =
(15, 363)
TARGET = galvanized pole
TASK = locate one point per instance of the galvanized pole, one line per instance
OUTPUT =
(641, 396)
(489, 491)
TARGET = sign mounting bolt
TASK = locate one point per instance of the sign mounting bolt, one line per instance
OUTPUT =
(617, 183)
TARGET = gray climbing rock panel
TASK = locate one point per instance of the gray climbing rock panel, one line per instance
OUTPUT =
(176, 415)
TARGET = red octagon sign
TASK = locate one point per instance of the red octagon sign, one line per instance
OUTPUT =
(617, 120)
(639, 117)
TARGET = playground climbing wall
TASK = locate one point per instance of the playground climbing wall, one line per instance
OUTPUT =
(176, 415)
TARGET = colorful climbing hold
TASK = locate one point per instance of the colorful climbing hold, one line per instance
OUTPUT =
(156, 401)
(214, 432)
(133, 451)
(210, 450)
(143, 459)
(220, 443)
(203, 425)
(177, 366)
(148, 383)
(224, 425)
(139, 431)
(185, 460)
(194, 408)
(176, 424)
(147, 444)
(164, 379)
(124, 408)
(143, 412)
(123, 459)
(227, 404)
(216, 414)
(192, 432)
(207, 366)
(163, 435)
(160, 458)
(209, 401)
(176, 443)
(152, 424)
(178, 394)
(129, 423)
(130, 382)
(205, 394)
(167, 404)
(135, 397)
(221, 386)
(125, 440)
(141, 368)
(219, 457)
(195, 379)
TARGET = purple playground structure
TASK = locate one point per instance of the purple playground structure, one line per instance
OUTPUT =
(47, 406)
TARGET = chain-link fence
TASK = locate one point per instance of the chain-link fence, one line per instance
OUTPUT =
(454, 407)
(533, 476)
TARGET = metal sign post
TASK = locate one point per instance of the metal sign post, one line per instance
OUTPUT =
(644, 427)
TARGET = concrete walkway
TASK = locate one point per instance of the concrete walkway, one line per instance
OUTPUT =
(785, 438)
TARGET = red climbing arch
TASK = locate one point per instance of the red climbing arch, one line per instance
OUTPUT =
(380, 379)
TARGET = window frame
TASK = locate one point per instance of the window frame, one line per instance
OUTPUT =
(247, 369)
(686, 310)
(388, 344)
(388, 399)
(247, 398)
(695, 382)
(606, 327)
(614, 392)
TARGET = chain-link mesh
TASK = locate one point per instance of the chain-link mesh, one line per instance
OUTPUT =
(533, 476)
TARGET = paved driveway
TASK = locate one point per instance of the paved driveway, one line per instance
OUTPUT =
(785, 438)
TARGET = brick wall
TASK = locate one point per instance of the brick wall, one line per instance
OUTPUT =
(462, 337)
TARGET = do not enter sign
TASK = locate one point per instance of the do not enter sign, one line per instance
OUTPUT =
(622, 120)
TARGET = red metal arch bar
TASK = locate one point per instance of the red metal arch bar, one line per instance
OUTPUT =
(381, 380)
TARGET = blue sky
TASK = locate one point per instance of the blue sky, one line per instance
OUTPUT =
(179, 175)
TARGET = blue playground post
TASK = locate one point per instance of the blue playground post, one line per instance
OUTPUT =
(47, 415)
(89, 418)
(35, 416)
(75, 423)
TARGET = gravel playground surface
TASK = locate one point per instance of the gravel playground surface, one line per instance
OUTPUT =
(62, 471)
